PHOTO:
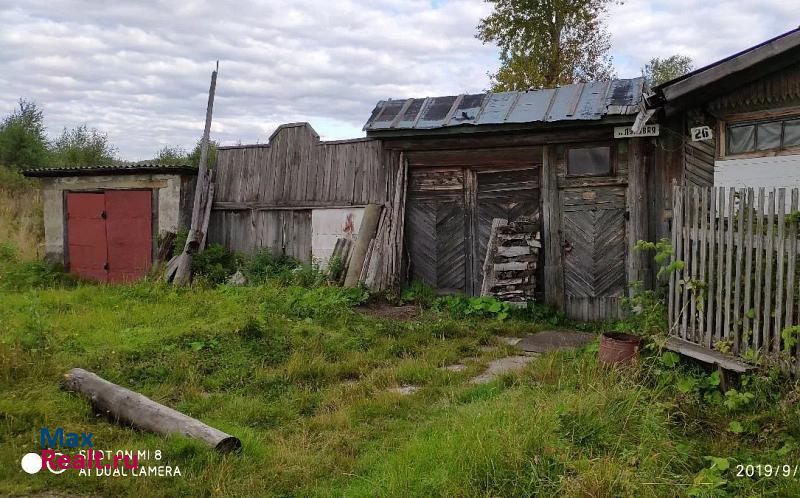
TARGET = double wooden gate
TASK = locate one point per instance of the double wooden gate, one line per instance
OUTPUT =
(449, 215)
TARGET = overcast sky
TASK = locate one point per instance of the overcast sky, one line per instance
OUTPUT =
(140, 70)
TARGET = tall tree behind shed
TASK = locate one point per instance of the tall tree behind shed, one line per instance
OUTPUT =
(22, 137)
(659, 71)
(82, 146)
(547, 43)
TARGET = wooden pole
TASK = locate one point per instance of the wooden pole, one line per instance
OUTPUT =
(367, 231)
(637, 209)
(128, 407)
(179, 269)
(551, 218)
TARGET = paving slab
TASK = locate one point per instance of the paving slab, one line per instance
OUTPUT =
(555, 340)
(501, 366)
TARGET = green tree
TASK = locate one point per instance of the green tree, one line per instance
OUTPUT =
(22, 139)
(659, 71)
(547, 43)
(171, 155)
(82, 146)
(194, 156)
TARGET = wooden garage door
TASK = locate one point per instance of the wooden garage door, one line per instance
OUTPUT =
(507, 194)
(109, 234)
(448, 222)
(594, 251)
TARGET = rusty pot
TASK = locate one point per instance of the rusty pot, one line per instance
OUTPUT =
(618, 348)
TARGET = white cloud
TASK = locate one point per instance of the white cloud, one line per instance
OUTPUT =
(139, 70)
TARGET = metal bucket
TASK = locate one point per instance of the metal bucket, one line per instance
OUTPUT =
(618, 348)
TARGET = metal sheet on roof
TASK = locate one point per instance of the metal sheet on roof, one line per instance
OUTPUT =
(578, 102)
(114, 169)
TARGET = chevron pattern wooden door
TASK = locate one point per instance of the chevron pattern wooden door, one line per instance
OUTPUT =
(436, 229)
(507, 194)
(594, 259)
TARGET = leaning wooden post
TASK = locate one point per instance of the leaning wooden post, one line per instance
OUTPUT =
(179, 268)
(128, 407)
(366, 232)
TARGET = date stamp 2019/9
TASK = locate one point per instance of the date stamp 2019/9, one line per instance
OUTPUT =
(767, 470)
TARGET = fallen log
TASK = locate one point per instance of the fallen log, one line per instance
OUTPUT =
(131, 408)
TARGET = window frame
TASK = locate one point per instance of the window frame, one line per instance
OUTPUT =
(756, 118)
(592, 145)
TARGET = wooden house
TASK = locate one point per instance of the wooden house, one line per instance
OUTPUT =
(566, 156)
(738, 119)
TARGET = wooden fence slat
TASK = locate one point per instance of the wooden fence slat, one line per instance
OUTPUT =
(687, 237)
(701, 329)
(759, 281)
(676, 192)
(769, 254)
(678, 275)
(780, 250)
(729, 226)
(791, 260)
(720, 265)
(737, 290)
(748, 211)
(711, 280)
(694, 263)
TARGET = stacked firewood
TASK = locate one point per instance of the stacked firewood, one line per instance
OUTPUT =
(511, 259)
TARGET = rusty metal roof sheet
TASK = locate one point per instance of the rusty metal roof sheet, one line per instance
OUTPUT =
(577, 102)
(115, 169)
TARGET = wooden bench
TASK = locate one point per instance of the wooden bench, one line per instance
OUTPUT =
(727, 365)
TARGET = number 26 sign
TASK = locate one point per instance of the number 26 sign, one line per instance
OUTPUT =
(700, 133)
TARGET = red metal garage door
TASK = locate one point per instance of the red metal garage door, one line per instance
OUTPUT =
(110, 234)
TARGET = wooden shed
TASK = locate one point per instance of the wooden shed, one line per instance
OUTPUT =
(565, 156)
(104, 223)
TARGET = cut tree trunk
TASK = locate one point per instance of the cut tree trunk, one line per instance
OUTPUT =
(131, 408)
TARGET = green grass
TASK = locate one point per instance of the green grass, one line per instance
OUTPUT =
(302, 380)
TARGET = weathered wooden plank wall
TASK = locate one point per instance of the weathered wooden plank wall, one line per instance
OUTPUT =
(738, 289)
(265, 193)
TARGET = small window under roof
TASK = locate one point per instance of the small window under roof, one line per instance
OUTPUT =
(589, 161)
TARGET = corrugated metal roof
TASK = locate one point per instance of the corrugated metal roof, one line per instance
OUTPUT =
(577, 102)
(120, 169)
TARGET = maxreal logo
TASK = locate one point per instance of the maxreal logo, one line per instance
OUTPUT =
(58, 439)
(88, 461)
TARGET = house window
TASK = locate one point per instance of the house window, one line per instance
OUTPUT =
(589, 161)
(761, 136)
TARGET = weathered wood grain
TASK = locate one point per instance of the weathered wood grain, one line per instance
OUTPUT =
(295, 171)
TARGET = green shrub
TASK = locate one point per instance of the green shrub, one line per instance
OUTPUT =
(418, 293)
(336, 269)
(34, 275)
(216, 264)
(476, 307)
(267, 264)
(322, 302)
(541, 312)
